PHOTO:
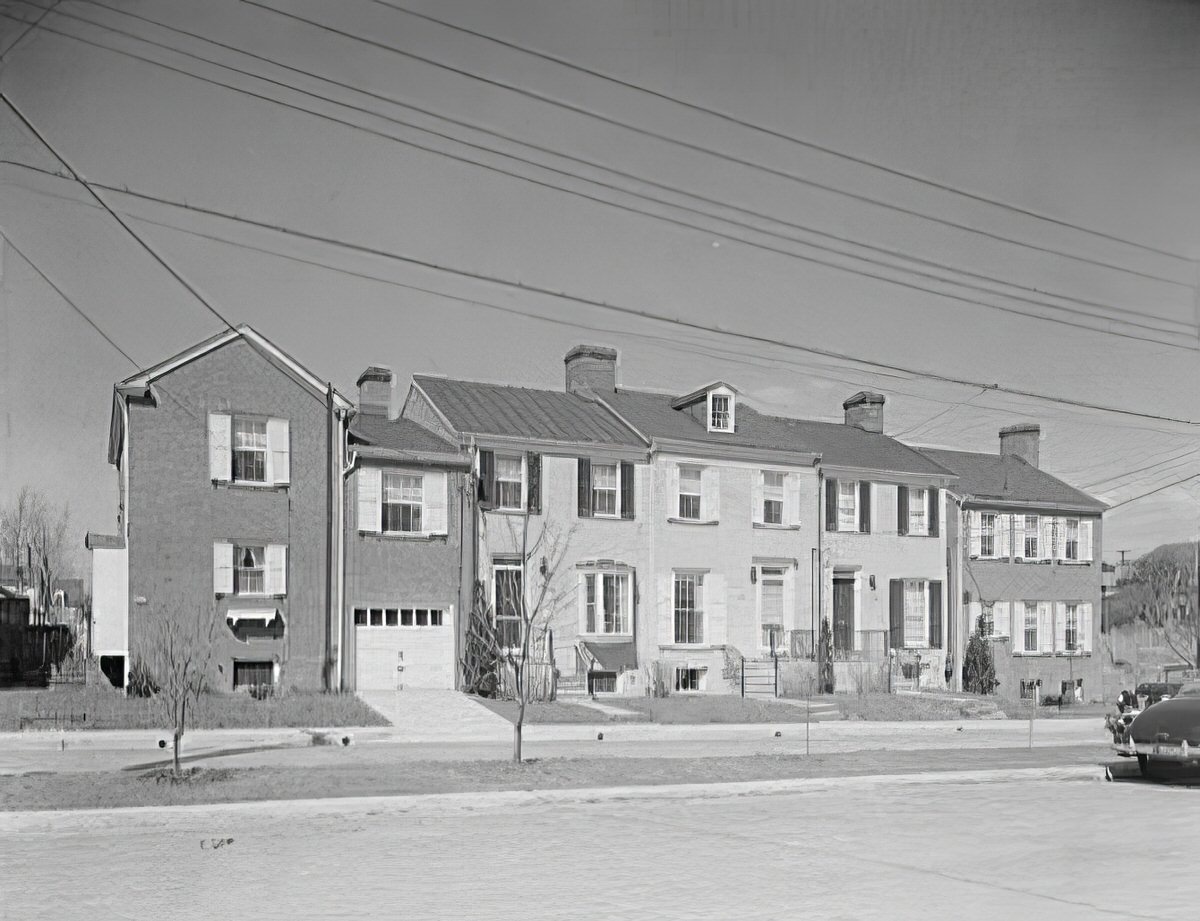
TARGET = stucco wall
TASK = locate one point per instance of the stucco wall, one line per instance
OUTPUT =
(176, 512)
(110, 601)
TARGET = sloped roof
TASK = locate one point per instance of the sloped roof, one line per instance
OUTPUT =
(613, 656)
(402, 437)
(1009, 478)
(837, 444)
(543, 415)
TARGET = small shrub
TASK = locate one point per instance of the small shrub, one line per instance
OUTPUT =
(825, 657)
(979, 670)
(141, 680)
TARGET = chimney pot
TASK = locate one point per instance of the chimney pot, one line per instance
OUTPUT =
(375, 391)
(864, 410)
(1021, 440)
(591, 367)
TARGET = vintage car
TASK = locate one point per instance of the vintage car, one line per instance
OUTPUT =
(1164, 734)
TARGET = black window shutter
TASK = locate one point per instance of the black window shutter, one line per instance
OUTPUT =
(831, 500)
(901, 509)
(626, 490)
(935, 615)
(934, 508)
(533, 465)
(487, 477)
(864, 507)
(896, 615)
(585, 488)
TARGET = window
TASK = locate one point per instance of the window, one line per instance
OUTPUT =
(690, 679)
(1071, 547)
(689, 620)
(770, 606)
(1071, 628)
(602, 682)
(604, 490)
(249, 450)
(772, 488)
(1031, 537)
(1029, 688)
(987, 534)
(249, 572)
(253, 675)
(506, 602)
(399, 617)
(606, 602)
(918, 511)
(1031, 627)
(508, 483)
(914, 613)
(987, 619)
(689, 493)
(403, 495)
(847, 507)
(721, 414)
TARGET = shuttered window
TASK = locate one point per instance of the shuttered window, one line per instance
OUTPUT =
(1030, 631)
(248, 450)
(915, 612)
(918, 511)
(772, 497)
(402, 502)
(689, 492)
(847, 505)
(250, 570)
(509, 482)
(403, 498)
(604, 490)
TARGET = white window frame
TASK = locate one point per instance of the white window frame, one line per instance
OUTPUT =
(720, 420)
(844, 515)
(594, 595)
(499, 566)
(1067, 525)
(394, 617)
(699, 493)
(697, 679)
(994, 534)
(1072, 610)
(696, 618)
(262, 450)
(773, 494)
(918, 510)
(772, 575)
(1026, 614)
(613, 491)
(259, 553)
(519, 459)
(916, 588)
(402, 502)
(1032, 534)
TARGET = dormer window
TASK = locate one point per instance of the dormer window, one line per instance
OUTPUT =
(720, 411)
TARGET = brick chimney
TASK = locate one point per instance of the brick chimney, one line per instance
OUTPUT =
(1021, 440)
(375, 391)
(592, 367)
(864, 410)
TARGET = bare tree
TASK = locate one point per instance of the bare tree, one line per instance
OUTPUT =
(34, 535)
(1163, 592)
(180, 650)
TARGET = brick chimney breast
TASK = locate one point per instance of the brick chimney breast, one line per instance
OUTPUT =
(864, 410)
(375, 391)
(1021, 440)
(591, 367)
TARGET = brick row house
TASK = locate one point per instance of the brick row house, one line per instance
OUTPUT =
(669, 537)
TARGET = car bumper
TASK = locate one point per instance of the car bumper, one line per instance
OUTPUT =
(1180, 752)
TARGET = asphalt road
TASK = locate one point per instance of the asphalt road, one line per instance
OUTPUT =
(985, 845)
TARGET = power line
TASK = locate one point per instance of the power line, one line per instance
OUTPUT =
(33, 25)
(608, 203)
(794, 177)
(641, 180)
(732, 119)
(1194, 476)
(1188, 453)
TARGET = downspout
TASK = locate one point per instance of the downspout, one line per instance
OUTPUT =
(818, 573)
(331, 681)
(125, 531)
(343, 425)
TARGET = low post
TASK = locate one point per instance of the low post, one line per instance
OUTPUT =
(743, 676)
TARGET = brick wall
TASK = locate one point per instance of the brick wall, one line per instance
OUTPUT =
(175, 512)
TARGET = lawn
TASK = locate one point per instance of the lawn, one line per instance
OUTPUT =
(97, 707)
(550, 711)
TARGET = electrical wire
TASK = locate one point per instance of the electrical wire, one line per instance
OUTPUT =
(1117, 505)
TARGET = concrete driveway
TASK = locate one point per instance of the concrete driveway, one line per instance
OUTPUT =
(432, 715)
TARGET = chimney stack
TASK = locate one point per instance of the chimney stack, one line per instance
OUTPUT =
(375, 392)
(1021, 441)
(591, 367)
(864, 410)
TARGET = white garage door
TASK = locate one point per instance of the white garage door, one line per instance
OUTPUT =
(387, 657)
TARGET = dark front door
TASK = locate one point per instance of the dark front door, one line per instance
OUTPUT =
(843, 615)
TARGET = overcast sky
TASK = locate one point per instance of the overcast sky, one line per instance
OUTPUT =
(429, 155)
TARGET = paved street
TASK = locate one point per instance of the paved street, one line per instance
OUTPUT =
(1057, 844)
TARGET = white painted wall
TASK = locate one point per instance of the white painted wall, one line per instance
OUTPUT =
(110, 602)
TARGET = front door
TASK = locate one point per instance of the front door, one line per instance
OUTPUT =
(843, 616)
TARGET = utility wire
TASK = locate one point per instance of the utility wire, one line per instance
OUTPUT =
(32, 25)
(592, 164)
(731, 158)
(608, 203)
(1194, 476)
(780, 135)
(1191, 452)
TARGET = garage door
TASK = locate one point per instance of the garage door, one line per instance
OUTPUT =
(390, 653)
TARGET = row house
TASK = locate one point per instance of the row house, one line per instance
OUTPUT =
(1026, 554)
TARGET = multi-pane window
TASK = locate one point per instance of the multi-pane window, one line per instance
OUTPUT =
(508, 482)
(721, 416)
(987, 619)
(507, 583)
(399, 617)
(689, 493)
(847, 505)
(987, 534)
(1071, 628)
(249, 450)
(918, 511)
(914, 613)
(770, 600)
(402, 498)
(1071, 545)
(772, 488)
(606, 599)
(690, 679)
(1031, 537)
(249, 577)
(1031, 627)
(604, 489)
(689, 620)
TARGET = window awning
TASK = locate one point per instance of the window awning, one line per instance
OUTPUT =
(264, 615)
(612, 656)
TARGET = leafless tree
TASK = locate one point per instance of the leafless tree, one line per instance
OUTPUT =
(34, 535)
(179, 650)
(1163, 592)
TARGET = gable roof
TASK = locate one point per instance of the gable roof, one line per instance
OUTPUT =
(402, 439)
(1011, 479)
(473, 408)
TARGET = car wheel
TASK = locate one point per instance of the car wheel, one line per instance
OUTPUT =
(1144, 765)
